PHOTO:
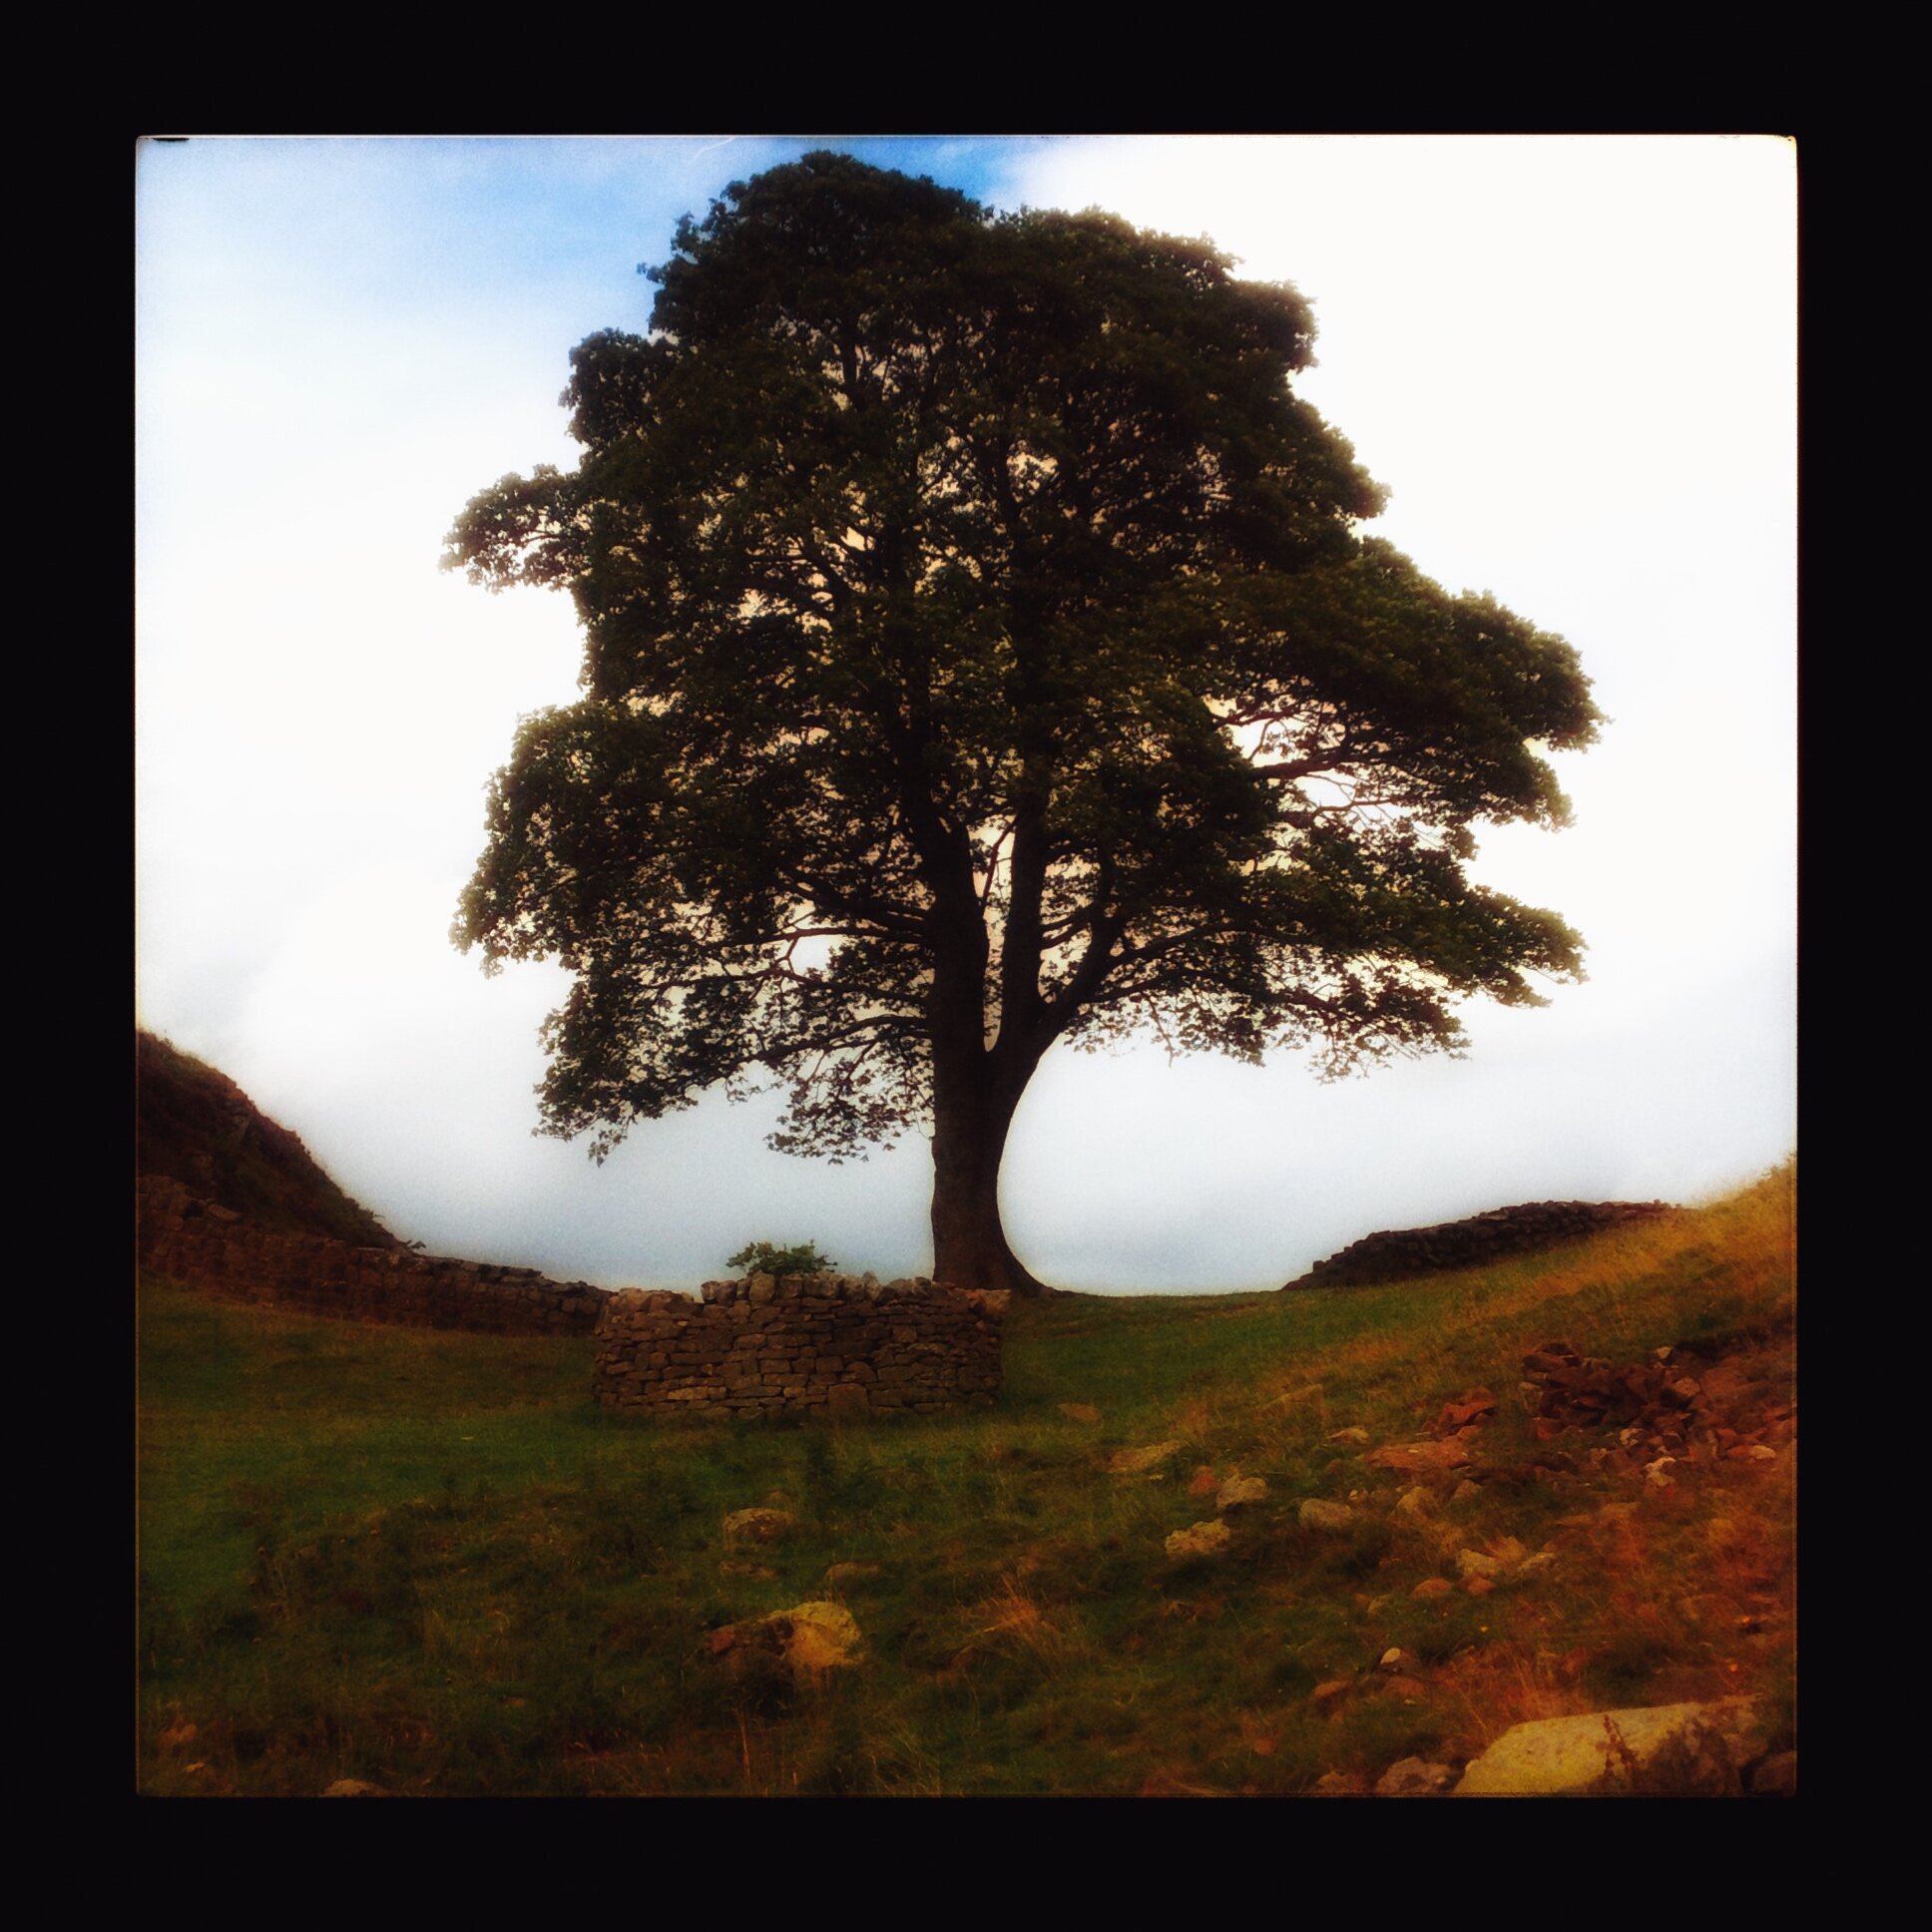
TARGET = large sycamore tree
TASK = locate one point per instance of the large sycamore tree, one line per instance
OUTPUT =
(983, 651)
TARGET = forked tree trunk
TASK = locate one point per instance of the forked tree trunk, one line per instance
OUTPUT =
(969, 1245)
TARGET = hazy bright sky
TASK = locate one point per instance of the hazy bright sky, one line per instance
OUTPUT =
(1571, 360)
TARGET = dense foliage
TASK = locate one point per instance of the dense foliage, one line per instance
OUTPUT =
(982, 650)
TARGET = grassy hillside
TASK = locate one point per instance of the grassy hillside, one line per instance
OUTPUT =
(196, 1125)
(427, 1562)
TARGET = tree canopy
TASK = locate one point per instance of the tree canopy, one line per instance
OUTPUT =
(983, 650)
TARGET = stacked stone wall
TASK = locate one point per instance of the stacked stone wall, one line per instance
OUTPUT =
(1396, 1255)
(213, 1247)
(829, 1345)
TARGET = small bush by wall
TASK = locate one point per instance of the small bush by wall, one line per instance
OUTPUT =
(832, 1344)
(213, 1247)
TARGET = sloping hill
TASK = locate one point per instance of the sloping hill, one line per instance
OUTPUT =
(196, 1125)
(1343, 1540)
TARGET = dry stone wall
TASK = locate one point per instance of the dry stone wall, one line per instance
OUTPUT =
(831, 1344)
(1397, 1254)
(213, 1247)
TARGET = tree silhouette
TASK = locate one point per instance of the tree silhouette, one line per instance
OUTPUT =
(982, 651)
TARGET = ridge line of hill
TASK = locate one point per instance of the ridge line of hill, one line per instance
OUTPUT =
(193, 1125)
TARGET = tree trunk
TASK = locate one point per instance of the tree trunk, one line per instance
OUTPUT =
(969, 1246)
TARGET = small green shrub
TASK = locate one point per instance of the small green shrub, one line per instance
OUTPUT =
(766, 1258)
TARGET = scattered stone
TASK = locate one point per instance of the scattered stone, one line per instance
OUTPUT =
(1431, 1587)
(822, 1637)
(1314, 1514)
(1137, 1462)
(1416, 1502)
(1202, 1540)
(1333, 1688)
(1420, 1458)
(1462, 1410)
(758, 1525)
(1242, 1492)
(810, 1638)
(1079, 1412)
(1677, 1750)
(1478, 1586)
(1339, 1785)
(1412, 1778)
(1353, 1434)
(1204, 1482)
(1395, 1658)
(1465, 1491)
(844, 1573)
(1472, 1563)
(354, 1787)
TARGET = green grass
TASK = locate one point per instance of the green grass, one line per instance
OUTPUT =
(429, 1562)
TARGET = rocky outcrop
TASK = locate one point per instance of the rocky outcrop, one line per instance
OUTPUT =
(829, 1345)
(1398, 1255)
(1666, 1751)
(1200, 1540)
(211, 1247)
(808, 1639)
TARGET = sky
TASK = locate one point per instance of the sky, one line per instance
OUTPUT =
(1572, 361)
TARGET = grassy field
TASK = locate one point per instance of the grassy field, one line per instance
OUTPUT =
(428, 1562)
